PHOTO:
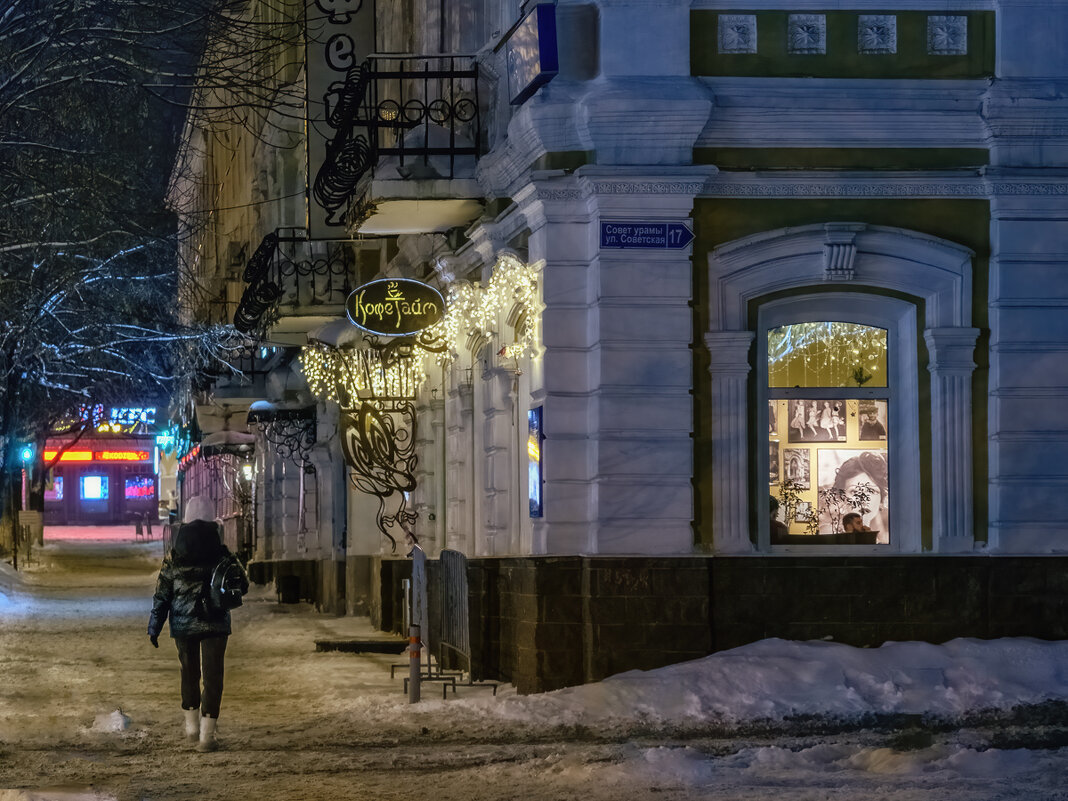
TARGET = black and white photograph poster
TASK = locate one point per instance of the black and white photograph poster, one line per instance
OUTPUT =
(871, 420)
(817, 421)
(845, 469)
(797, 466)
(773, 462)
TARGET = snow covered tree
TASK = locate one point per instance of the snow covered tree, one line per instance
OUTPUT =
(92, 95)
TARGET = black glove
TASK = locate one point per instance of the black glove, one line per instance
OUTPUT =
(154, 639)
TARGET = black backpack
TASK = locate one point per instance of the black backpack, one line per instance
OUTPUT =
(225, 587)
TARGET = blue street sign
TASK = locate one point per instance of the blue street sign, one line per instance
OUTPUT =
(645, 235)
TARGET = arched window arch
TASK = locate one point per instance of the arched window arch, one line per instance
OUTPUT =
(849, 272)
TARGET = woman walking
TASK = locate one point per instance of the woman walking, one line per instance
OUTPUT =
(200, 632)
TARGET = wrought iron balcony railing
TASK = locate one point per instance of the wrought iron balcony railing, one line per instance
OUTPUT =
(294, 273)
(423, 110)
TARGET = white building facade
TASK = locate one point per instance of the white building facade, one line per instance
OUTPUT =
(842, 220)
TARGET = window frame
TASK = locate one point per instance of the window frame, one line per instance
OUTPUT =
(898, 318)
(933, 273)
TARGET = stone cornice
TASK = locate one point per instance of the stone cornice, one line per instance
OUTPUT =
(911, 185)
(633, 187)
(889, 6)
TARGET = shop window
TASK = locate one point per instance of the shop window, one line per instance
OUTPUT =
(534, 470)
(914, 287)
(829, 403)
(140, 487)
(54, 489)
(94, 488)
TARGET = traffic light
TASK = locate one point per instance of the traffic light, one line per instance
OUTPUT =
(26, 453)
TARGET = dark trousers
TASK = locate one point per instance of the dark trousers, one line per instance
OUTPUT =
(209, 652)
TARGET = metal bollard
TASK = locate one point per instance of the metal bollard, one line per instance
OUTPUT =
(413, 665)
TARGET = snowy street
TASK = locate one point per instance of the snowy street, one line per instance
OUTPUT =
(89, 707)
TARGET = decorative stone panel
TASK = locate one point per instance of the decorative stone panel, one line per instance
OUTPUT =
(947, 35)
(877, 34)
(737, 33)
(807, 34)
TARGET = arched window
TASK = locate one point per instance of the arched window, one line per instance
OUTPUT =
(842, 428)
(807, 298)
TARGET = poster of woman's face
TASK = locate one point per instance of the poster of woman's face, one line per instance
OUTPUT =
(845, 470)
(871, 419)
(797, 466)
(816, 421)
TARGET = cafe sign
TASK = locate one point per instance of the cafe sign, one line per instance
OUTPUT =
(395, 306)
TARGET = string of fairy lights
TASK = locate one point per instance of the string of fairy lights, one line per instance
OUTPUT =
(826, 354)
(344, 375)
(477, 310)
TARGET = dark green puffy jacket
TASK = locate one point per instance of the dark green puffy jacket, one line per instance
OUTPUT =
(181, 584)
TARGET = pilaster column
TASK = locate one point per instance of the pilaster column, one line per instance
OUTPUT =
(498, 416)
(436, 496)
(323, 527)
(618, 368)
(459, 464)
(951, 367)
(561, 225)
(422, 500)
(729, 369)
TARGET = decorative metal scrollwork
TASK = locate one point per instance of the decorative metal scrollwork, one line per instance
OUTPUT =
(379, 446)
(272, 275)
(261, 294)
(337, 264)
(354, 103)
(256, 301)
(395, 349)
(290, 431)
(348, 155)
(376, 386)
(416, 111)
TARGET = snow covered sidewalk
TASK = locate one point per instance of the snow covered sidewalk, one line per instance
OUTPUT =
(86, 702)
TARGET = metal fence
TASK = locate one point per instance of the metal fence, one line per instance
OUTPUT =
(455, 634)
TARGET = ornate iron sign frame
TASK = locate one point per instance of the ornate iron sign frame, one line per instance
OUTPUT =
(379, 429)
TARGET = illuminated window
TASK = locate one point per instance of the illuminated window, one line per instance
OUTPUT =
(94, 488)
(54, 489)
(140, 487)
(828, 417)
(534, 478)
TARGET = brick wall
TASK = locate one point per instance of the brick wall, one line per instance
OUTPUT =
(866, 601)
(548, 622)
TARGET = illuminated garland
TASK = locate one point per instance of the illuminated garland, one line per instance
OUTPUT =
(473, 310)
(345, 375)
(831, 353)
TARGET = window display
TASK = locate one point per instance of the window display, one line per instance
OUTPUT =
(534, 476)
(94, 488)
(54, 488)
(140, 487)
(828, 419)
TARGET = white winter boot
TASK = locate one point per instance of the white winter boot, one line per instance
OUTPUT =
(192, 724)
(207, 734)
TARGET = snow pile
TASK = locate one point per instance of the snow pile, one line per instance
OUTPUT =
(771, 764)
(111, 723)
(779, 679)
